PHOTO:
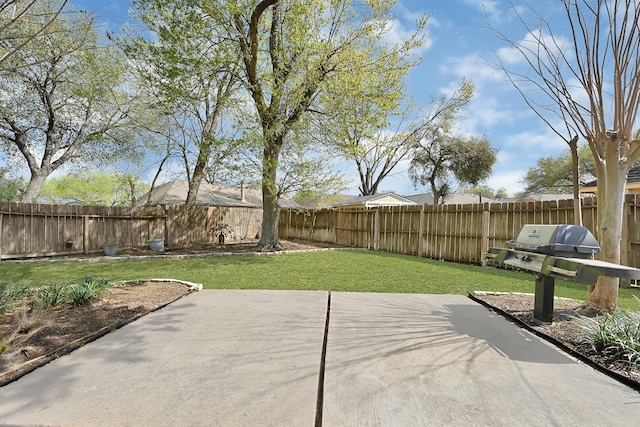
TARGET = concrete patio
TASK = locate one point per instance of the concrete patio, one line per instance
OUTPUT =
(255, 358)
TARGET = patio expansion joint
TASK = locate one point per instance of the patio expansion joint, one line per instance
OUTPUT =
(323, 356)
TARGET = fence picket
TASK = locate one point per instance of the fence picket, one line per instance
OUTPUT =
(459, 233)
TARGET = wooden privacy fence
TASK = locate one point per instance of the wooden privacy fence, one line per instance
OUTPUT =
(459, 233)
(28, 230)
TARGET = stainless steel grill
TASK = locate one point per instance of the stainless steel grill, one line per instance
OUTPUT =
(553, 251)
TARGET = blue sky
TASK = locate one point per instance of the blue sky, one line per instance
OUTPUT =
(459, 45)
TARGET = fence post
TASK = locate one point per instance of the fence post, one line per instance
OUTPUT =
(486, 220)
(85, 234)
(420, 231)
(169, 212)
(376, 230)
(625, 245)
(1, 234)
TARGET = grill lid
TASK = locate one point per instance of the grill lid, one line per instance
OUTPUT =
(560, 240)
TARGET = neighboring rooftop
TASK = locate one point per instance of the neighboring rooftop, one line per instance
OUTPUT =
(384, 199)
(175, 193)
(633, 182)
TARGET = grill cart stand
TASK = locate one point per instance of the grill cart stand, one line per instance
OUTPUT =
(553, 251)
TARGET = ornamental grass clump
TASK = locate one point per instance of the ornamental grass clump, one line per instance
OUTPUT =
(76, 294)
(9, 293)
(86, 292)
(615, 334)
(50, 296)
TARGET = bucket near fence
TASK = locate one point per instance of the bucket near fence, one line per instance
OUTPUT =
(156, 244)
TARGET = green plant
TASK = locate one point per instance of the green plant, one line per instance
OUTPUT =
(4, 345)
(50, 296)
(615, 334)
(86, 292)
(10, 292)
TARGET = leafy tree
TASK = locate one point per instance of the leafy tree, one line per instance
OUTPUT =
(95, 188)
(15, 13)
(468, 160)
(555, 174)
(501, 193)
(10, 189)
(62, 101)
(193, 76)
(585, 73)
(301, 169)
(290, 50)
(441, 156)
(357, 126)
(357, 108)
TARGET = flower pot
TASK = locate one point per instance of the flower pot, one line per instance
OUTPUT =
(156, 244)
(110, 249)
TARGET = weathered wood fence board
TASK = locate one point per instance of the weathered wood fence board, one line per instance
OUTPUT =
(452, 232)
(459, 233)
(28, 230)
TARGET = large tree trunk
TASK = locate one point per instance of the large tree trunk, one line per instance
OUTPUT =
(34, 187)
(198, 173)
(269, 238)
(204, 150)
(611, 189)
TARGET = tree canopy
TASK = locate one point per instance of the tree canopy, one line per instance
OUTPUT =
(91, 187)
(291, 51)
(62, 99)
(554, 175)
(582, 76)
(10, 188)
(191, 74)
(441, 157)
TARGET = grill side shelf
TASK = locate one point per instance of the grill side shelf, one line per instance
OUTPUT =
(587, 271)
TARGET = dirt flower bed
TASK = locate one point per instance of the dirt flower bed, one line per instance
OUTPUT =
(565, 331)
(30, 338)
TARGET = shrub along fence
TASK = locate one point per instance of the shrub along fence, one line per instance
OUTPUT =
(29, 230)
(460, 233)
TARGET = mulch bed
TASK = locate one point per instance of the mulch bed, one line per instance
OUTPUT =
(31, 338)
(565, 331)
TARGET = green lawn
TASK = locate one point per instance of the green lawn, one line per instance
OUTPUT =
(350, 271)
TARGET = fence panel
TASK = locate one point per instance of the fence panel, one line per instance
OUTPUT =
(28, 230)
(459, 233)
(398, 229)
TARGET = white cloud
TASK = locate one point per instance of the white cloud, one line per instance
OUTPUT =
(397, 32)
(533, 145)
(472, 66)
(509, 180)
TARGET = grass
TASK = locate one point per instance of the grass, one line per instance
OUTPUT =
(338, 271)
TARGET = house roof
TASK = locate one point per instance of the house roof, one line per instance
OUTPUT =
(633, 181)
(175, 192)
(383, 199)
(465, 198)
(421, 199)
(326, 201)
(452, 199)
(549, 197)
